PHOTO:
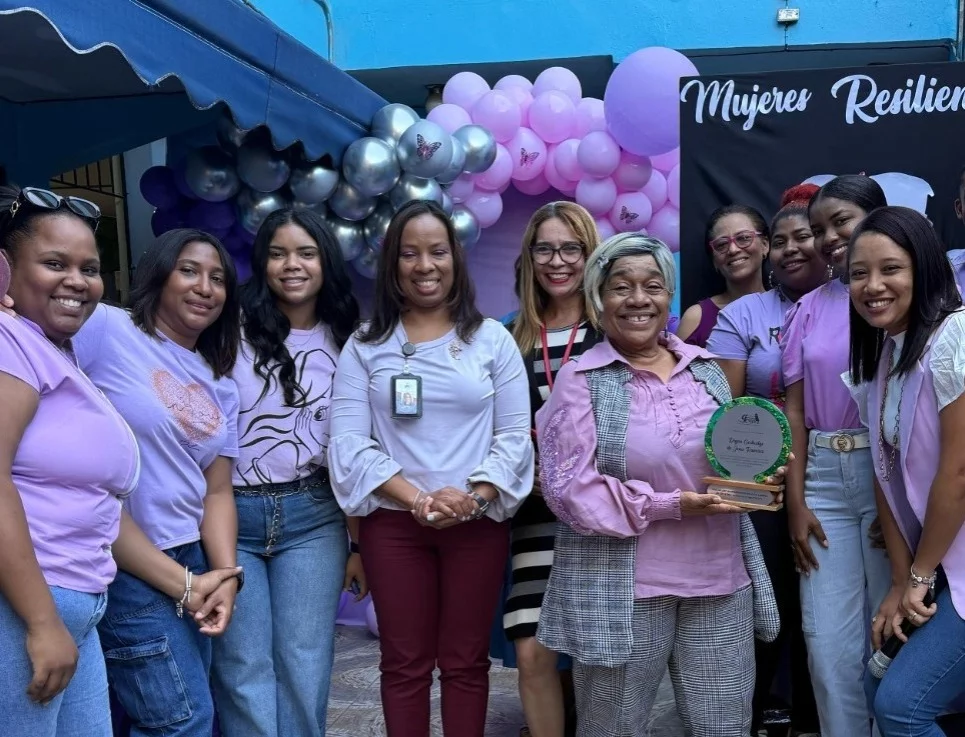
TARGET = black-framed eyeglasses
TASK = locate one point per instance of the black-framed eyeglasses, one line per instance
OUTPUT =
(570, 253)
(742, 240)
(44, 199)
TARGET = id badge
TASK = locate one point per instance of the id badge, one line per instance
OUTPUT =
(406, 396)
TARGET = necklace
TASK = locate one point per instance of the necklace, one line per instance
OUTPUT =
(892, 454)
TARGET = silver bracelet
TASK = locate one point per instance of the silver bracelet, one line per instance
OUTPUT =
(188, 580)
(928, 581)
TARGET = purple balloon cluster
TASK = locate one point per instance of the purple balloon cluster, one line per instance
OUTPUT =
(617, 157)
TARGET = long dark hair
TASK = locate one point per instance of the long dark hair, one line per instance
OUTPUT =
(267, 327)
(859, 190)
(389, 302)
(934, 294)
(218, 343)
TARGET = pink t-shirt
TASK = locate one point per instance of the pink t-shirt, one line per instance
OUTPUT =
(183, 419)
(76, 458)
(815, 346)
(693, 556)
(279, 443)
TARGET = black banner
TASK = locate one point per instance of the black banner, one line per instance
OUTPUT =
(747, 138)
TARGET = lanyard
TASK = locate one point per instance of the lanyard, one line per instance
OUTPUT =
(546, 352)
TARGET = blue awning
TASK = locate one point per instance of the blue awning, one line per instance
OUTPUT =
(55, 53)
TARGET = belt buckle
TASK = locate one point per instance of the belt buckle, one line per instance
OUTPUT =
(842, 443)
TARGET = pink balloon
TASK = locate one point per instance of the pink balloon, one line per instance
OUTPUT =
(502, 190)
(642, 100)
(555, 179)
(589, 117)
(633, 172)
(656, 190)
(565, 158)
(464, 89)
(605, 228)
(598, 154)
(528, 153)
(559, 79)
(631, 212)
(665, 226)
(535, 186)
(596, 195)
(486, 206)
(514, 81)
(666, 162)
(552, 116)
(498, 113)
(449, 117)
(673, 186)
(499, 173)
(523, 98)
(569, 191)
(460, 189)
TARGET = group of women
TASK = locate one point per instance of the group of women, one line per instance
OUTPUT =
(160, 457)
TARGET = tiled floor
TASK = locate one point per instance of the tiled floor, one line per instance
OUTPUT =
(354, 709)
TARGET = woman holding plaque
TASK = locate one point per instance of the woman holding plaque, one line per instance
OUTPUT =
(648, 570)
(830, 495)
(746, 343)
(908, 362)
(435, 487)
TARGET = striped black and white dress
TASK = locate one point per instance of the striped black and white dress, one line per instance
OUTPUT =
(534, 526)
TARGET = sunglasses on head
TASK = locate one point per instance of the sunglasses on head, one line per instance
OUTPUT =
(44, 199)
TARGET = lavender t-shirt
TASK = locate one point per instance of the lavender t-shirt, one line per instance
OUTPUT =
(749, 329)
(815, 347)
(76, 458)
(182, 416)
(277, 443)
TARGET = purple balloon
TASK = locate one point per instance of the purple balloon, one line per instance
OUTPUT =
(212, 216)
(533, 186)
(631, 211)
(596, 195)
(552, 116)
(486, 206)
(460, 189)
(241, 233)
(673, 187)
(566, 161)
(589, 117)
(498, 113)
(642, 100)
(243, 267)
(555, 179)
(524, 99)
(666, 162)
(497, 175)
(164, 220)
(449, 117)
(665, 226)
(514, 81)
(598, 154)
(158, 187)
(464, 89)
(181, 183)
(656, 190)
(234, 244)
(528, 153)
(605, 228)
(559, 79)
(632, 173)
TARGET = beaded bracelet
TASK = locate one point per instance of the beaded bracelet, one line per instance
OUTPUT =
(928, 581)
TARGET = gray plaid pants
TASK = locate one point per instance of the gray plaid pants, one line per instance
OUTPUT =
(708, 643)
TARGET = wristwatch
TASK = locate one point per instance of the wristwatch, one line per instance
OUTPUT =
(482, 501)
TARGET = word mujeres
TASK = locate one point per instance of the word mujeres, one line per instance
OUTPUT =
(716, 97)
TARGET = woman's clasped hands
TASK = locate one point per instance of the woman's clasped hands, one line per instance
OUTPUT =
(444, 508)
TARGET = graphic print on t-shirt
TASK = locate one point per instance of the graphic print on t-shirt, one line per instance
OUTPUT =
(301, 429)
(196, 414)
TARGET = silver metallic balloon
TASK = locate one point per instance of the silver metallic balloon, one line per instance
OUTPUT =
(254, 207)
(210, 174)
(371, 166)
(349, 235)
(447, 203)
(230, 136)
(261, 167)
(425, 150)
(367, 263)
(377, 224)
(347, 202)
(412, 188)
(391, 122)
(480, 147)
(320, 208)
(466, 226)
(312, 183)
(456, 165)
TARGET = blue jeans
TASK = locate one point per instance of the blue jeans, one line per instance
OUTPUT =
(273, 666)
(852, 579)
(157, 663)
(926, 677)
(80, 710)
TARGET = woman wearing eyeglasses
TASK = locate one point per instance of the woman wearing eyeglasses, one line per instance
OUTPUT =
(551, 328)
(737, 238)
(66, 458)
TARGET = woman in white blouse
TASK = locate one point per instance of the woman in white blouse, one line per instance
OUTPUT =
(434, 475)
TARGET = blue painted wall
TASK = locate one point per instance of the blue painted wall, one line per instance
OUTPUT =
(375, 34)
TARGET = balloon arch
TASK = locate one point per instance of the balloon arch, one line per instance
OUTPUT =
(618, 157)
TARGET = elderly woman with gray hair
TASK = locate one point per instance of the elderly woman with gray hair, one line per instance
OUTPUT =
(649, 571)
